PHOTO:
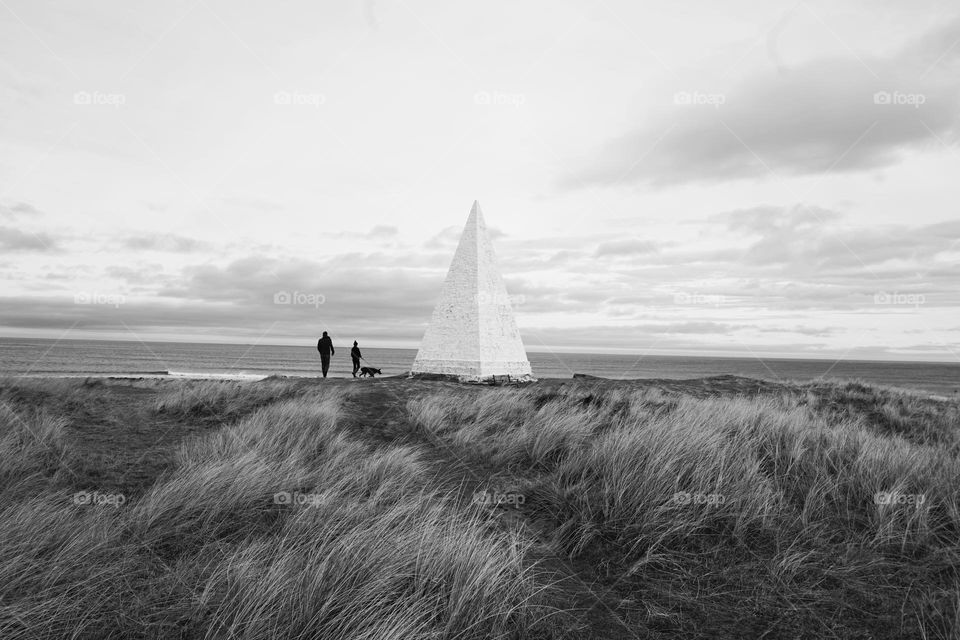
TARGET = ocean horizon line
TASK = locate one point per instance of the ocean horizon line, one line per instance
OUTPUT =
(706, 355)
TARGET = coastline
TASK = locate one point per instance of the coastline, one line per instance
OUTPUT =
(189, 360)
(722, 384)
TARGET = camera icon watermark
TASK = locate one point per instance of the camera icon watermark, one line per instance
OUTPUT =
(298, 98)
(499, 99)
(299, 298)
(899, 98)
(97, 98)
(896, 298)
(97, 499)
(699, 98)
(93, 297)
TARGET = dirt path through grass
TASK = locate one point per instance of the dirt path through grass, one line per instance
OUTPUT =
(378, 415)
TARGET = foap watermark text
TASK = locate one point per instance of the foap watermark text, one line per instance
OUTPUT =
(299, 298)
(98, 499)
(496, 498)
(94, 297)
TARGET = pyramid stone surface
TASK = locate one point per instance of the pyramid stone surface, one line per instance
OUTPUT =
(472, 332)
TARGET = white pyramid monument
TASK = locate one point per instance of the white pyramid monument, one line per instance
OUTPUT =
(472, 334)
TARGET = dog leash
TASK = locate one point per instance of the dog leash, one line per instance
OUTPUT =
(368, 362)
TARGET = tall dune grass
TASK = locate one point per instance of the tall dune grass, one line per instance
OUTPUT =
(754, 516)
(32, 445)
(778, 484)
(377, 551)
(222, 400)
(914, 416)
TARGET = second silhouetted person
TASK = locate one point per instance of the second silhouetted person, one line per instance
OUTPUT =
(355, 356)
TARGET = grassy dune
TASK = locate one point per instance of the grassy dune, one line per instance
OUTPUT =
(405, 509)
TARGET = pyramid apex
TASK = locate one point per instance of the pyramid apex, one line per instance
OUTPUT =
(476, 215)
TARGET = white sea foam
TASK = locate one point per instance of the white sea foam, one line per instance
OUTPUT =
(242, 375)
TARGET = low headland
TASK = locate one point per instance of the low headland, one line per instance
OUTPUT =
(721, 507)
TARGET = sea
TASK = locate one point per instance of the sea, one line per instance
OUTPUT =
(39, 357)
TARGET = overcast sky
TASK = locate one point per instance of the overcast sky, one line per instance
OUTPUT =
(742, 178)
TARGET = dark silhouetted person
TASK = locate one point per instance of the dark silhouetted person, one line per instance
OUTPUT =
(355, 356)
(325, 347)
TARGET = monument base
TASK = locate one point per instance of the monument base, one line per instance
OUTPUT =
(479, 369)
(493, 379)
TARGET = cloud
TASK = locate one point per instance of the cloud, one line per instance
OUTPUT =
(382, 231)
(163, 242)
(809, 239)
(12, 239)
(773, 265)
(444, 239)
(819, 332)
(822, 116)
(145, 277)
(249, 203)
(18, 209)
(626, 247)
(378, 232)
(449, 236)
(766, 258)
(350, 289)
(253, 297)
(653, 336)
(689, 327)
